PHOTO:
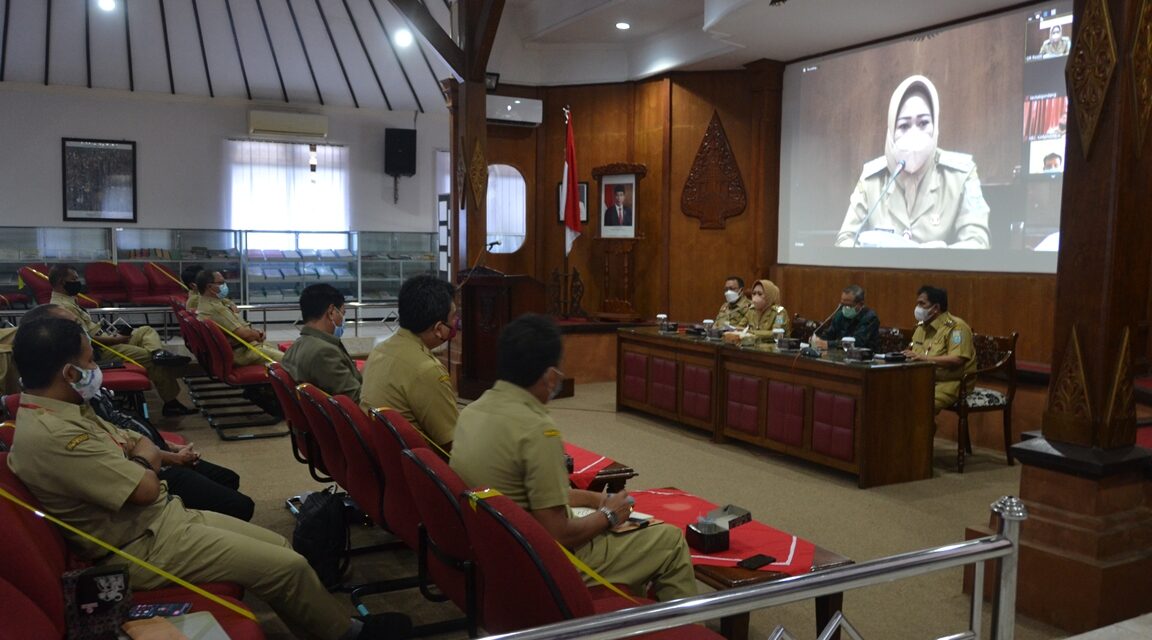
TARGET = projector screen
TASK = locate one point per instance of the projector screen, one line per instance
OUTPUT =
(944, 150)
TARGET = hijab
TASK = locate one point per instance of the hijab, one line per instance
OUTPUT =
(920, 157)
(771, 293)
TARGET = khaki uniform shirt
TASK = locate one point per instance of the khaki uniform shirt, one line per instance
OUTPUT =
(225, 314)
(949, 207)
(91, 327)
(735, 315)
(507, 440)
(9, 377)
(77, 466)
(193, 300)
(946, 335)
(401, 373)
(320, 359)
(1061, 48)
(774, 317)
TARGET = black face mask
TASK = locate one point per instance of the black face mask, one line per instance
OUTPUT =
(73, 288)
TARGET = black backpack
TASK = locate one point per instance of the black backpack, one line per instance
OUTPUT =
(105, 407)
(322, 535)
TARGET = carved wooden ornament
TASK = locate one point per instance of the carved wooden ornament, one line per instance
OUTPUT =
(714, 190)
(1090, 67)
(1069, 413)
(478, 174)
(1120, 418)
(1142, 74)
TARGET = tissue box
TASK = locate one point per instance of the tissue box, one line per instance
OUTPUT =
(729, 516)
(706, 537)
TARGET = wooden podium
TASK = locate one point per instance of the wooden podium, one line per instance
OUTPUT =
(488, 301)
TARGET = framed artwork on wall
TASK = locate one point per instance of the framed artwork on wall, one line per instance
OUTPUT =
(99, 180)
(583, 191)
(618, 206)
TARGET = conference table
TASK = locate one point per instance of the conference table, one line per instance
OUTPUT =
(871, 419)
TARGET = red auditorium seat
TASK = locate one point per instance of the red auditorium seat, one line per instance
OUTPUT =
(103, 282)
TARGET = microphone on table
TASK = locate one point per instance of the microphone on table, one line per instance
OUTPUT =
(825, 321)
(883, 194)
(494, 243)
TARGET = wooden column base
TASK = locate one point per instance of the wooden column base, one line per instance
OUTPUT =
(1086, 547)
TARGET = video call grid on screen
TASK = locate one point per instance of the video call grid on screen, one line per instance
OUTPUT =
(1002, 96)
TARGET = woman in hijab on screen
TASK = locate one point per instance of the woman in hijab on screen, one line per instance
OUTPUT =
(935, 199)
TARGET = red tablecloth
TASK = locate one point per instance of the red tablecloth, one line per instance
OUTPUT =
(585, 465)
(677, 508)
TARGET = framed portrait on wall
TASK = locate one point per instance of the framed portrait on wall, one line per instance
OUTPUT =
(99, 180)
(582, 190)
(618, 206)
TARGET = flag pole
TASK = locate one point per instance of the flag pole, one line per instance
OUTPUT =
(565, 282)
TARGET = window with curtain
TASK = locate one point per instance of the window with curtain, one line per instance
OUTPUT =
(278, 186)
(507, 208)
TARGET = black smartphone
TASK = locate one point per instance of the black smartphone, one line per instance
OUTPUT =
(756, 561)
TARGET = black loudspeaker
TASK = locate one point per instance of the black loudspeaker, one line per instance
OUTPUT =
(400, 152)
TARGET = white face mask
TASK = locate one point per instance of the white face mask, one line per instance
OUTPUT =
(731, 296)
(89, 383)
(922, 313)
(914, 148)
(555, 390)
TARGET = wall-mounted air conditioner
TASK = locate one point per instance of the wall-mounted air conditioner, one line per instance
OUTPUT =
(520, 112)
(288, 124)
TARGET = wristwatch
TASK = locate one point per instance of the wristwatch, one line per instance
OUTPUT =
(613, 519)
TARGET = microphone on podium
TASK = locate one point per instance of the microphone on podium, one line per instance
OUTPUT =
(883, 194)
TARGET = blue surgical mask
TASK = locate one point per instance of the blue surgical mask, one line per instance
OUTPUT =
(224, 291)
(89, 383)
(338, 330)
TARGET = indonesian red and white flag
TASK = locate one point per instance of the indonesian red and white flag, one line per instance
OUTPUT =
(570, 206)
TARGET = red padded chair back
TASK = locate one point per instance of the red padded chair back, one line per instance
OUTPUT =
(366, 482)
(303, 447)
(135, 284)
(435, 488)
(389, 435)
(313, 404)
(194, 339)
(12, 404)
(24, 618)
(35, 277)
(7, 434)
(162, 282)
(527, 580)
(103, 280)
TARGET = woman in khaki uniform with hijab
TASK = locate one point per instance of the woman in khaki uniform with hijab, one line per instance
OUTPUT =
(936, 201)
(767, 313)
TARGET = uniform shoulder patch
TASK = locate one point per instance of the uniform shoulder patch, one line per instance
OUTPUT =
(446, 378)
(552, 433)
(957, 337)
(874, 166)
(77, 441)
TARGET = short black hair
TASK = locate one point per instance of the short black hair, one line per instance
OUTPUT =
(316, 298)
(620, 189)
(856, 291)
(58, 273)
(935, 296)
(42, 348)
(189, 273)
(1052, 155)
(205, 278)
(738, 279)
(46, 310)
(424, 301)
(528, 346)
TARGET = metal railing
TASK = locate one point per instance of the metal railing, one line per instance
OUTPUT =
(1003, 546)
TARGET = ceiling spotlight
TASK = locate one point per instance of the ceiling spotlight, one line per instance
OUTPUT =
(107, 5)
(623, 26)
(403, 38)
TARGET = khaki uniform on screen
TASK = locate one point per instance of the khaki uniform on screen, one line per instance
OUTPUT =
(76, 466)
(225, 314)
(403, 374)
(143, 342)
(506, 440)
(946, 335)
(320, 359)
(950, 206)
(735, 315)
(9, 377)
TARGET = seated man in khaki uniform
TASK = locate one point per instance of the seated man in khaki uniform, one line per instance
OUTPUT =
(142, 346)
(103, 481)
(9, 378)
(507, 441)
(403, 374)
(188, 277)
(318, 356)
(944, 340)
(214, 304)
(734, 311)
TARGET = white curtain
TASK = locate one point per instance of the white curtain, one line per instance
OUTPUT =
(507, 208)
(273, 186)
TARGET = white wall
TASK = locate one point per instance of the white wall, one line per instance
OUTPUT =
(179, 156)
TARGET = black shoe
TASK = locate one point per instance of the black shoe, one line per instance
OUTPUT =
(169, 359)
(173, 408)
(386, 625)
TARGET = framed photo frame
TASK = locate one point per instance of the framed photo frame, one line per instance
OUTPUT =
(99, 179)
(582, 189)
(618, 206)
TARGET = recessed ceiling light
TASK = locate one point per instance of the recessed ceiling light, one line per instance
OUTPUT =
(403, 38)
(623, 26)
(107, 5)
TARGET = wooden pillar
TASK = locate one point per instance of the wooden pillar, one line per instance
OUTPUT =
(1086, 553)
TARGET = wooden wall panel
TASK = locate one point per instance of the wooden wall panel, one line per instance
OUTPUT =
(653, 254)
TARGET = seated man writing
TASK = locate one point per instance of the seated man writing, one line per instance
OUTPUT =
(214, 304)
(318, 356)
(102, 480)
(507, 441)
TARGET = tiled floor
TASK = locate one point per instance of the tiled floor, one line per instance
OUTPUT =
(1134, 629)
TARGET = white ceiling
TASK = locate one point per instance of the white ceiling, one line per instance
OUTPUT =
(303, 53)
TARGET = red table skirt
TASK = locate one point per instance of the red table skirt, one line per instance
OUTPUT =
(677, 508)
(585, 465)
